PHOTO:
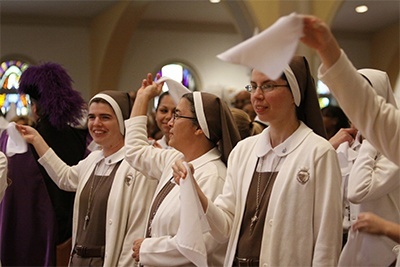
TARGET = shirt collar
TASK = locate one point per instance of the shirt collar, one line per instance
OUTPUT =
(212, 154)
(263, 145)
(114, 158)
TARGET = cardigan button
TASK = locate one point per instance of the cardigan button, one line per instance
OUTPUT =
(110, 222)
(270, 222)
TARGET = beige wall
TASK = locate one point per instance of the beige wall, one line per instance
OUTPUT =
(115, 51)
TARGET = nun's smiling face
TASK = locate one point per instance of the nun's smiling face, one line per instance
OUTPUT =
(271, 105)
(182, 125)
(104, 128)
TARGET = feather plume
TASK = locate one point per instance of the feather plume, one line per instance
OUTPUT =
(51, 86)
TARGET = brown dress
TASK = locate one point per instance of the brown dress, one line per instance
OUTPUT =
(250, 236)
(92, 233)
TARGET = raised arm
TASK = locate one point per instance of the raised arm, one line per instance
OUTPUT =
(148, 91)
(317, 35)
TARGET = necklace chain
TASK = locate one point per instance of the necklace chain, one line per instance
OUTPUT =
(259, 198)
(92, 192)
(165, 191)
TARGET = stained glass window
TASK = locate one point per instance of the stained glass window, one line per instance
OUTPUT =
(324, 95)
(10, 100)
(180, 73)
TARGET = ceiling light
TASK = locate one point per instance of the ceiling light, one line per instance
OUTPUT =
(215, 1)
(361, 9)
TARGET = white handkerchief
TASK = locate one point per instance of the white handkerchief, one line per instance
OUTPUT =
(271, 50)
(193, 224)
(15, 143)
(176, 89)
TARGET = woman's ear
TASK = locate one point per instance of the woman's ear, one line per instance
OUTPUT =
(198, 131)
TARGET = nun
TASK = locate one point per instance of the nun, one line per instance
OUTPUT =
(110, 203)
(372, 186)
(281, 202)
(203, 133)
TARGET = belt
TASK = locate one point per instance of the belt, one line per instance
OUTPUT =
(89, 252)
(245, 262)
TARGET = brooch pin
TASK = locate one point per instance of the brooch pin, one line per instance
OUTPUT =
(128, 179)
(303, 175)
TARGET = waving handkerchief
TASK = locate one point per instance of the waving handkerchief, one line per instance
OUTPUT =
(271, 50)
(15, 143)
(176, 89)
(193, 224)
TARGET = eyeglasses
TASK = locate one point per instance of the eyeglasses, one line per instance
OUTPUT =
(266, 87)
(177, 116)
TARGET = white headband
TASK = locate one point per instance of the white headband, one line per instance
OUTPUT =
(294, 86)
(115, 107)
(201, 117)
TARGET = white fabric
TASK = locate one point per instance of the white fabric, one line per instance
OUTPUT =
(303, 225)
(374, 186)
(294, 85)
(176, 89)
(128, 202)
(377, 120)
(201, 117)
(15, 143)
(190, 233)
(347, 155)
(396, 251)
(271, 50)
(3, 175)
(358, 242)
(161, 249)
(116, 109)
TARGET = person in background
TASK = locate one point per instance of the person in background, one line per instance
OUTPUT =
(372, 186)
(241, 99)
(112, 198)
(35, 215)
(164, 111)
(24, 120)
(202, 132)
(248, 108)
(377, 120)
(334, 120)
(245, 125)
(281, 202)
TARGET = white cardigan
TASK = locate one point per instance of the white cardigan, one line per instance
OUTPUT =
(303, 225)
(161, 249)
(127, 207)
(373, 185)
(377, 120)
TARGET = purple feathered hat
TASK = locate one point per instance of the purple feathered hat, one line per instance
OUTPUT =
(51, 87)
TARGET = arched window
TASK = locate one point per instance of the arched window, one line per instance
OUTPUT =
(180, 72)
(10, 101)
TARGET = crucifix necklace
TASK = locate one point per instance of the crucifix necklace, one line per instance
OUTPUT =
(259, 198)
(92, 191)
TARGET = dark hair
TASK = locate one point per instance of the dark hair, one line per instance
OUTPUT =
(160, 98)
(336, 112)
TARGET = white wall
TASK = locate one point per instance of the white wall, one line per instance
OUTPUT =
(68, 46)
(149, 50)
